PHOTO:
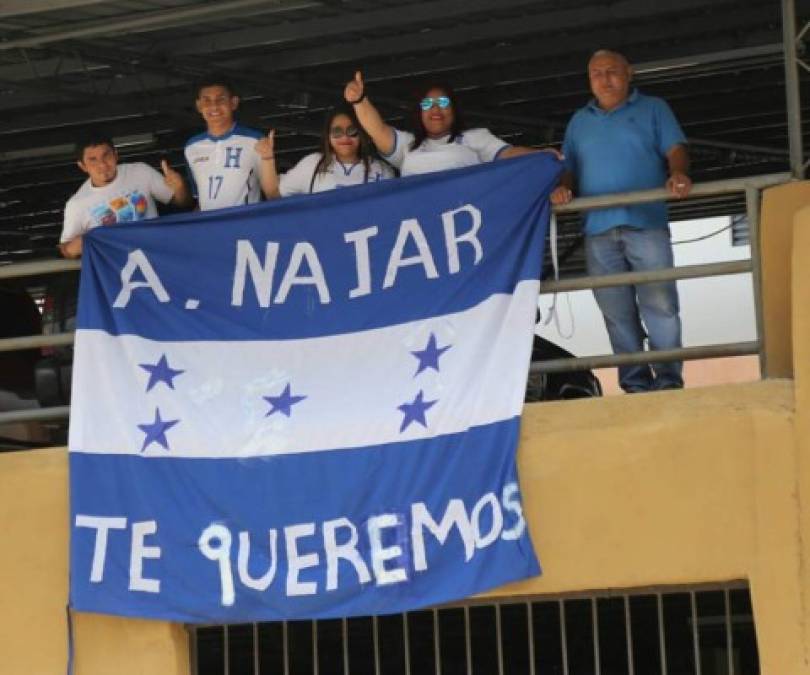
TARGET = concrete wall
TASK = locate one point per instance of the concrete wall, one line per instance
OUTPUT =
(779, 205)
(671, 488)
(34, 587)
(668, 488)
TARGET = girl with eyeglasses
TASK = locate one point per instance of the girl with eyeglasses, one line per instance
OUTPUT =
(346, 158)
(441, 139)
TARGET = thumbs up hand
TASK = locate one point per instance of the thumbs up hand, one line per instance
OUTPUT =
(266, 146)
(172, 178)
(355, 90)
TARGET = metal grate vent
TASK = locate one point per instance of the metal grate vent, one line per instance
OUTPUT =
(740, 231)
(700, 631)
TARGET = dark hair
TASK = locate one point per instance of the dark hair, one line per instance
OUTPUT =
(213, 80)
(365, 151)
(91, 139)
(459, 125)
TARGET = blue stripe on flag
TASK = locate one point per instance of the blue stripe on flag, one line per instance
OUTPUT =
(187, 283)
(185, 496)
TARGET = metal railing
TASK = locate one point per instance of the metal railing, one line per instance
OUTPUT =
(750, 186)
(703, 630)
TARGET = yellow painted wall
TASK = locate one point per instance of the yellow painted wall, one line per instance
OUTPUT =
(34, 587)
(668, 488)
(779, 204)
(801, 366)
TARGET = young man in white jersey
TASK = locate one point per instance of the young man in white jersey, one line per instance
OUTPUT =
(115, 193)
(225, 168)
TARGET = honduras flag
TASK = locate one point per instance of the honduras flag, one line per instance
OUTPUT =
(308, 408)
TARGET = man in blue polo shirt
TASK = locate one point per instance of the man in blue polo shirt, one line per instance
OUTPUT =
(623, 141)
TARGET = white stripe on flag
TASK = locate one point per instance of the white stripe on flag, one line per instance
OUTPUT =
(353, 384)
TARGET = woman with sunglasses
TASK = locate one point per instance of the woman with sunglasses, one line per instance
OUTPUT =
(442, 140)
(346, 158)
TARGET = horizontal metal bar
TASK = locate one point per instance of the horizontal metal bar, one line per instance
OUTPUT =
(580, 283)
(553, 366)
(37, 267)
(658, 194)
(23, 7)
(635, 358)
(740, 147)
(35, 414)
(158, 19)
(648, 276)
(36, 341)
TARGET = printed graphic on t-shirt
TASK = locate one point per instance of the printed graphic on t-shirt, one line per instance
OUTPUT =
(125, 208)
(373, 177)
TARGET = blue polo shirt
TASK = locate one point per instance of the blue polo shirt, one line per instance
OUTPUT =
(619, 151)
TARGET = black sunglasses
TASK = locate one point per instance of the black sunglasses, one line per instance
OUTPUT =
(340, 132)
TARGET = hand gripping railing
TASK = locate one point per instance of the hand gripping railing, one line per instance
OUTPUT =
(750, 186)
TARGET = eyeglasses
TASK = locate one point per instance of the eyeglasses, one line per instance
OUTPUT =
(429, 101)
(340, 132)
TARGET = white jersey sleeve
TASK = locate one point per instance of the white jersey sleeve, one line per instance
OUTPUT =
(190, 175)
(298, 179)
(402, 146)
(485, 144)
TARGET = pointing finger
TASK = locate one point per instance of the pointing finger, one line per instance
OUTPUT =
(164, 165)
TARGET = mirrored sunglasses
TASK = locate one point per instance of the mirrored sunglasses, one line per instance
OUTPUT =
(429, 101)
(340, 132)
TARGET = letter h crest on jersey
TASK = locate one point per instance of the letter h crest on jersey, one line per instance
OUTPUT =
(232, 157)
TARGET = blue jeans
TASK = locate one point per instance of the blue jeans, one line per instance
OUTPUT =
(628, 310)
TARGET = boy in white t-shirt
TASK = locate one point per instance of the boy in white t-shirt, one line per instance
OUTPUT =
(224, 166)
(115, 193)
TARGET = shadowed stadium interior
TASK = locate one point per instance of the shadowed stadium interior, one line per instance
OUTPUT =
(518, 65)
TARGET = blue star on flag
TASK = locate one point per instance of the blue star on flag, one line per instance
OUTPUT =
(415, 411)
(429, 356)
(160, 372)
(282, 403)
(156, 431)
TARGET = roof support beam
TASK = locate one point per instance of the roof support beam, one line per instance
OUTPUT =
(22, 7)
(444, 38)
(120, 103)
(794, 113)
(347, 23)
(155, 20)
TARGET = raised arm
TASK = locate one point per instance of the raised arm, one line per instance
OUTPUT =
(368, 115)
(268, 176)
